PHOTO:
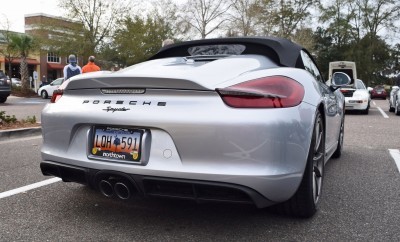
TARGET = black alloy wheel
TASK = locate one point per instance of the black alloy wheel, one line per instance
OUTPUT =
(339, 148)
(305, 200)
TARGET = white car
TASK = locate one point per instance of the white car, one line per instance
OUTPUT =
(357, 97)
(16, 82)
(47, 90)
(394, 100)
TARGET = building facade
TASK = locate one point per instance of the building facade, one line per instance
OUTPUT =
(48, 29)
(46, 63)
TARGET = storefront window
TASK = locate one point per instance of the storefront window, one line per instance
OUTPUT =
(53, 57)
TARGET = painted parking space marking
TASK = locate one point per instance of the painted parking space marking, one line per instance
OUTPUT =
(396, 157)
(29, 187)
(383, 112)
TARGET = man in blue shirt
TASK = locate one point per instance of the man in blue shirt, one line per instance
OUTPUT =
(72, 69)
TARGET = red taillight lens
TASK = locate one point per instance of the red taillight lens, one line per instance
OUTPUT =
(57, 94)
(266, 92)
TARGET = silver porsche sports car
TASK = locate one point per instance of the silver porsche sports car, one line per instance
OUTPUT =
(243, 120)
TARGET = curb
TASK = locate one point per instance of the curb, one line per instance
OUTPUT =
(20, 133)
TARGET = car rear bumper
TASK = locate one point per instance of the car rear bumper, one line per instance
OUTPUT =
(262, 149)
(149, 186)
(356, 104)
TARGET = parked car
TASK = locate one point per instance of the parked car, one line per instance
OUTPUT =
(394, 100)
(392, 95)
(348, 67)
(243, 120)
(16, 81)
(5, 87)
(378, 92)
(47, 90)
(357, 98)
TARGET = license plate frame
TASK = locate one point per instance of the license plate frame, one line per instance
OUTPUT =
(116, 143)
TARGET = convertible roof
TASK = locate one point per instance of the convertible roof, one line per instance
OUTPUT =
(282, 51)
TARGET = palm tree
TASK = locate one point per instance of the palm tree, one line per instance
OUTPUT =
(23, 44)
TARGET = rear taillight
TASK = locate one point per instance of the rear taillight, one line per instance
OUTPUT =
(57, 94)
(266, 92)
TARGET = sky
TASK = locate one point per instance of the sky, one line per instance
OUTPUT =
(15, 10)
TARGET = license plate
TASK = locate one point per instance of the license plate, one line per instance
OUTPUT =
(113, 143)
(379, 92)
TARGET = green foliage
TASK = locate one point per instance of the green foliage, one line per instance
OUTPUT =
(31, 120)
(7, 118)
(140, 38)
(23, 45)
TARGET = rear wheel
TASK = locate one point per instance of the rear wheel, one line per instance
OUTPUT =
(396, 108)
(338, 151)
(3, 99)
(391, 109)
(305, 200)
(44, 94)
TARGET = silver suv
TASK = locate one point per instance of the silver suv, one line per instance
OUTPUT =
(5, 87)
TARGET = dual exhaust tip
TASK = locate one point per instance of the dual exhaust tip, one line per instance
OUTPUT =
(122, 189)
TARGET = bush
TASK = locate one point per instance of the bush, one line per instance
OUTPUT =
(7, 118)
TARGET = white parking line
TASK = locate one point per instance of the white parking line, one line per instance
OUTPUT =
(374, 103)
(29, 187)
(396, 157)
(382, 112)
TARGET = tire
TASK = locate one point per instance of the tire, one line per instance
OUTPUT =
(3, 99)
(304, 202)
(44, 95)
(396, 108)
(339, 148)
(391, 109)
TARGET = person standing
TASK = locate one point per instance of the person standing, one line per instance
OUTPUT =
(72, 69)
(90, 66)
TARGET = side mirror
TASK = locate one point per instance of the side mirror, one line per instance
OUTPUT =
(340, 79)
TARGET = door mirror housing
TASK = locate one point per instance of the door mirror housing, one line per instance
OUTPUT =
(340, 79)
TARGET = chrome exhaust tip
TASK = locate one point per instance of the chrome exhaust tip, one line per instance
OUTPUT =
(122, 190)
(106, 188)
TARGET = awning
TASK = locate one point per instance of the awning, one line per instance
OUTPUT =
(28, 60)
(54, 66)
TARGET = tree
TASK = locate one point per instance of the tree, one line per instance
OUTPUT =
(7, 51)
(205, 16)
(337, 14)
(244, 17)
(139, 38)
(379, 14)
(98, 18)
(23, 44)
(288, 15)
(167, 11)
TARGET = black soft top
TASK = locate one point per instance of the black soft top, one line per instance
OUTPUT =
(282, 51)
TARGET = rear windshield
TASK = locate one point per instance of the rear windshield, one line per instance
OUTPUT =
(2, 74)
(234, 49)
